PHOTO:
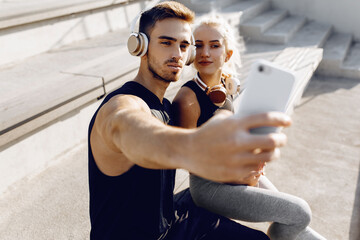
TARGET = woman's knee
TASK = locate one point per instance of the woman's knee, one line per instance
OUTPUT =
(200, 190)
(302, 213)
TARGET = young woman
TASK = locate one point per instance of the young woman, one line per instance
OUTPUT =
(254, 199)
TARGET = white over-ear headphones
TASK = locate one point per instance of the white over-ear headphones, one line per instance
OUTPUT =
(217, 93)
(232, 85)
(192, 51)
(138, 43)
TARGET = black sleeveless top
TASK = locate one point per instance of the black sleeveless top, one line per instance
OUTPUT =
(207, 108)
(139, 203)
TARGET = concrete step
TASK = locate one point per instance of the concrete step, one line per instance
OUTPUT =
(313, 34)
(301, 60)
(15, 13)
(282, 32)
(205, 6)
(241, 11)
(244, 10)
(304, 62)
(292, 31)
(336, 49)
(33, 27)
(351, 66)
(254, 28)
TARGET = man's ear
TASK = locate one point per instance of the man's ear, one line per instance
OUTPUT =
(229, 53)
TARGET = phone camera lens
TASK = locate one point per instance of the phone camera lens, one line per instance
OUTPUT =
(261, 68)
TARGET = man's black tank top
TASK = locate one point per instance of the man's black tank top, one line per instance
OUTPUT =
(139, 203)
(207, 108)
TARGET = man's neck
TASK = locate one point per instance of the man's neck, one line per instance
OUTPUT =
(156, 86)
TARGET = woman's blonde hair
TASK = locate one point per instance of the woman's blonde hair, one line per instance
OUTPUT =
(231, 39)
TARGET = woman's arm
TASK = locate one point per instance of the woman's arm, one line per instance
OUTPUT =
(186, 108)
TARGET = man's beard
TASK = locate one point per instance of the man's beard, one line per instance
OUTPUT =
(170, 77)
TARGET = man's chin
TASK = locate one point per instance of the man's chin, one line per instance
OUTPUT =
(171, 80)
(174, 77)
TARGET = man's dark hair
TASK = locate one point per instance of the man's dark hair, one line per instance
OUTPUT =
(161, 11)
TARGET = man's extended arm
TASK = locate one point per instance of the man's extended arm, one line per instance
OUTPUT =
(220, 150)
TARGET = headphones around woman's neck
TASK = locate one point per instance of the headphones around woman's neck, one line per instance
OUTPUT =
(217, 93)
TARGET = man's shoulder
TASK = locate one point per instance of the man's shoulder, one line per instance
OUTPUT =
(128, 88)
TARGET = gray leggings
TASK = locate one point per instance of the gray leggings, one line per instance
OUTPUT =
(290, 215)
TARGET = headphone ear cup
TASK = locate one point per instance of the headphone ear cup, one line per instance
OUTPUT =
(137, 44)
(217, 95)
(191, 55)
(232, 85)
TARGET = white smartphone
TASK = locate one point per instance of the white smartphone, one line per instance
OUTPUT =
(268, 87)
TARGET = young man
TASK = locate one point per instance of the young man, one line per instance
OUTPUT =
(133, 153)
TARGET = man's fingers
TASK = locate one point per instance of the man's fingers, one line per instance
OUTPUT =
(250, 161)
(245, 165)
(266, 142)
(270, 119)
(221, 114)
(262, 157)
(246, 141)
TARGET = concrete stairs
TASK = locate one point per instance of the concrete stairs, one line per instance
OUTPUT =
(255, 27)
(243, 10)
(341, 56)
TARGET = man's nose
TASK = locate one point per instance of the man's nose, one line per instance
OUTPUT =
(177, 53)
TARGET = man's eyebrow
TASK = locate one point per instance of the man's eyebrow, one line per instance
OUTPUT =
(168, 38)
(172, 39)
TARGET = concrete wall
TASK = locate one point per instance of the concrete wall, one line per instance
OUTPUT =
(44, 148)
(343, 15)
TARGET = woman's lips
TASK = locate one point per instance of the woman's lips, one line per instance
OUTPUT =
(205, 63)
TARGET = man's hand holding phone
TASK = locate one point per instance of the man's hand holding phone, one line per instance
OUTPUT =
(268, 88)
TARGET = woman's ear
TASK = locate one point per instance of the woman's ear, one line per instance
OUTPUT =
(229, 53)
